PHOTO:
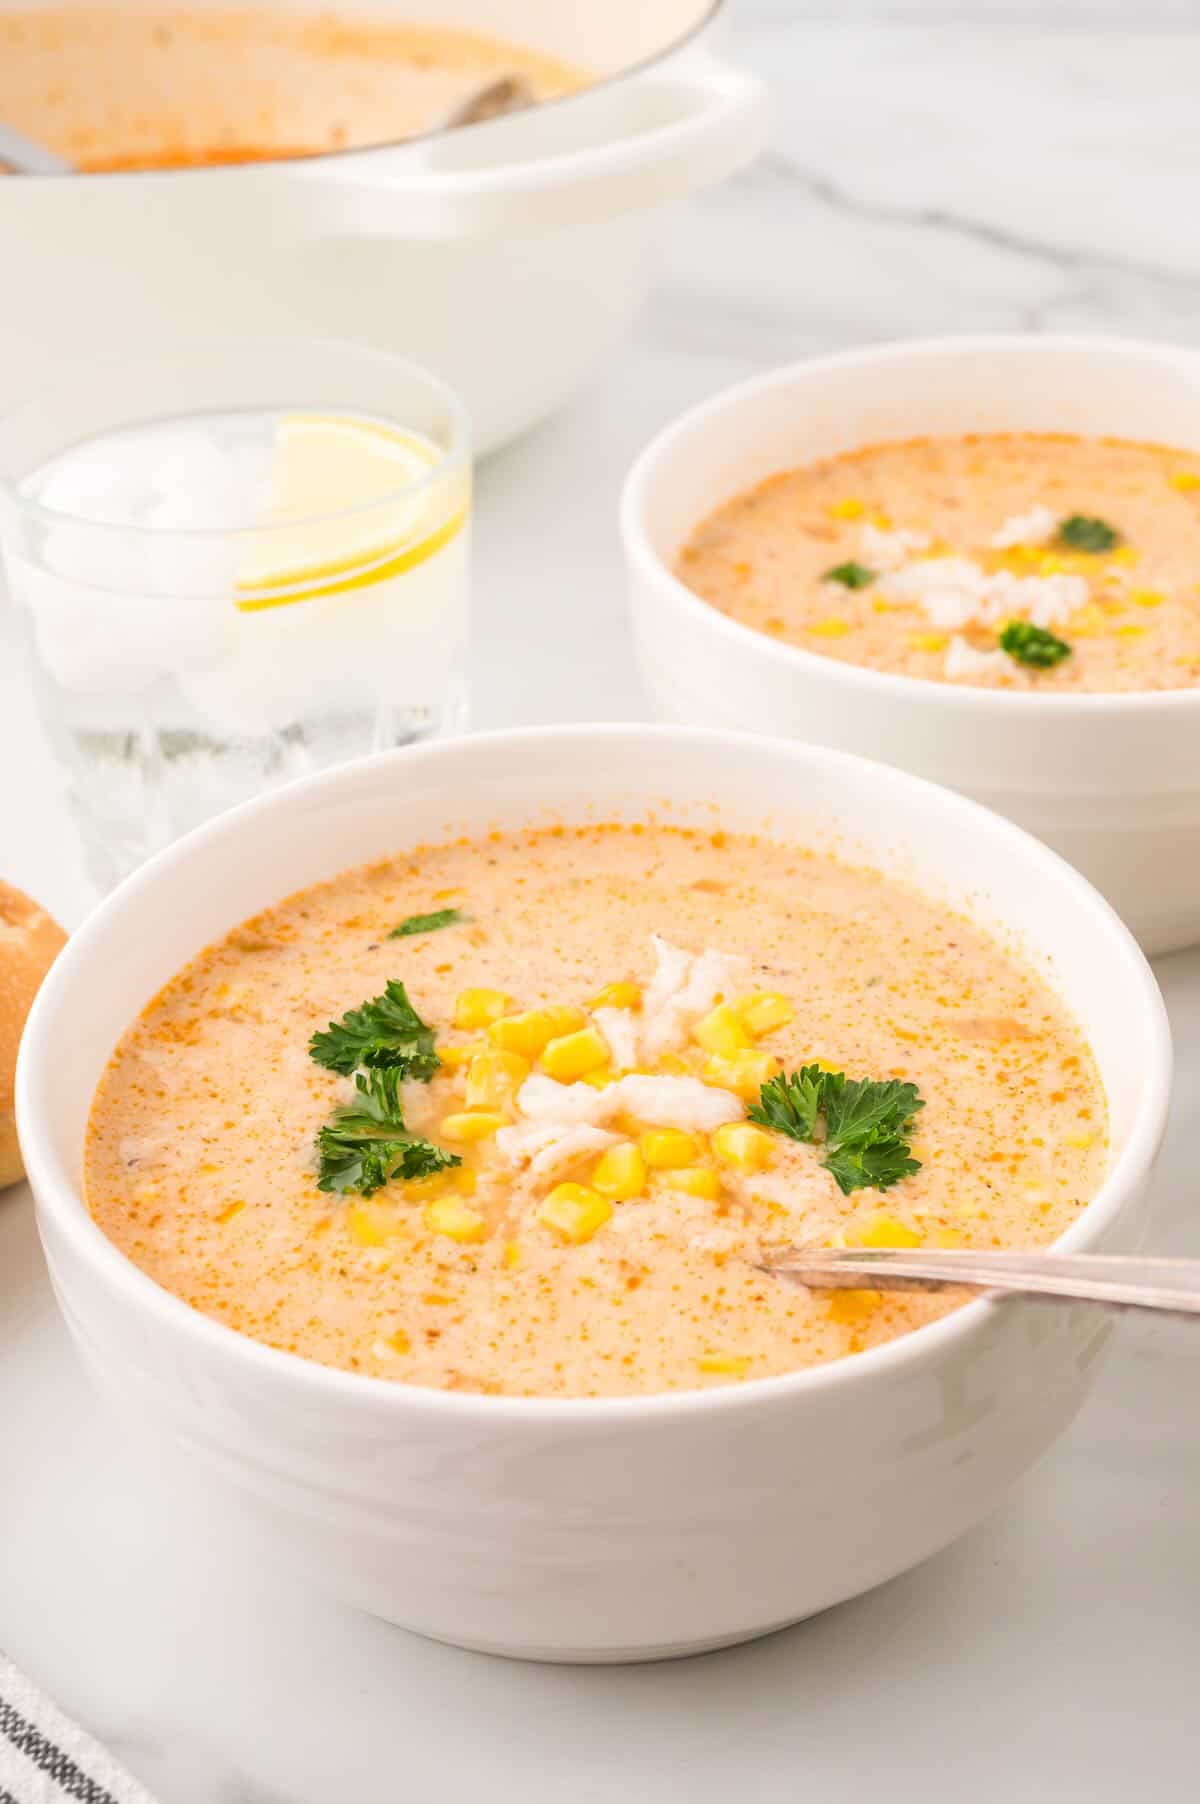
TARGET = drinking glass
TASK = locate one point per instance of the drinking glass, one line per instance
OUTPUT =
(233, 565)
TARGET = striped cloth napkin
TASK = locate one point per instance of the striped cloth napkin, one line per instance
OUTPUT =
(45, 1758)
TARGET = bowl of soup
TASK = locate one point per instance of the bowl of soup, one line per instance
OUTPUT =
(248, 169)
(409, 1146)
(977, 559)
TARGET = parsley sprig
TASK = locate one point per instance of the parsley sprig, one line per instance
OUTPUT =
(430, 923)
(1083, 532)
(365, 1143)
(1033, 645)
(866, 1124)
(850, 575)
(384, 1033)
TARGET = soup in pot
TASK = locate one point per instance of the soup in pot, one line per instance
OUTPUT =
(152, 87)
(526, 1115)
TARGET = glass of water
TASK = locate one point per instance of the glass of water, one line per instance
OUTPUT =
(234, 565)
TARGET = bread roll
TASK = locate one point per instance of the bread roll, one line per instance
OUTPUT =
(29, 943)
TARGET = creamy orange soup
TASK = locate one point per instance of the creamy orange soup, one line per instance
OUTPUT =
(1017, 561)
(153, 87)
(607, 1005)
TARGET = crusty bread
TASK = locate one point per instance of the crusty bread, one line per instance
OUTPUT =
(29, 942)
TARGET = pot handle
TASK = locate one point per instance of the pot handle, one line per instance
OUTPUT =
(573, 162)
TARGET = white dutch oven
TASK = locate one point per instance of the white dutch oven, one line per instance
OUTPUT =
(594, 1529)
(1110, 781)
(508, 257)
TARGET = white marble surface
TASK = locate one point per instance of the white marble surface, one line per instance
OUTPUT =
(1029, 166)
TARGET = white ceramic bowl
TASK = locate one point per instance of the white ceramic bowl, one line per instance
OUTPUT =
(509, 257)
(1110, 781)
(594, 1529)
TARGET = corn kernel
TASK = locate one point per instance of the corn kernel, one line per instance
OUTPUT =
(574, 1055)
(421, 1190)
(512, 1255)
(494, 1078)
(530, 1033)
(479, 1124)
(745, 1073)
(1183, 480)
(853, 1306)
(1132, 631)
(762, 1011)
(928, 641)
(884, 607)
(479, 1008)
(1086, 622)
(620, 1173)
(742, 1144)
(882, 521)
(1082, 1140)
(880, 1230)
(575, 1212)
(451, 1217)
(850, 508)
(453, 1057)
(599, 1079)
(721, 1032)
(723, 1365)
(696, 1180)
(947, 1237)
(373, 1224)
(618, 995)
(834, 627)
(1147, 598)
(1051, 564)
(666, 1149)
(675, 1064)
(1126, 554)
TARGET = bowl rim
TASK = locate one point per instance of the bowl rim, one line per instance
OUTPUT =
(859, 680)
(60, 1201)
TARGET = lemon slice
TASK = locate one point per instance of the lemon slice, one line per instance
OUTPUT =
(344, 510)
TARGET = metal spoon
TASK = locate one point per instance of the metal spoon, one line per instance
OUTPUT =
(1114, 1281)
(510, 94)
(25, 157)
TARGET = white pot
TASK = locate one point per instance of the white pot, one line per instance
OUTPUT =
(589, 1529)
(1110, 781)
(507, 257)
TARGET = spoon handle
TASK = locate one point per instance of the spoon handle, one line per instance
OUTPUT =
(24, 157)
(1116, 1282)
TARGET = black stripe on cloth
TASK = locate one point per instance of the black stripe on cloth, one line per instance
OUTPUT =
(71, 1780)
(6, 1797)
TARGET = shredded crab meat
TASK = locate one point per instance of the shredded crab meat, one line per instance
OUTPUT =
(673, 1102)
(1032, 528)
(954, 591)
(547, 1148)
(684, 987)
(620, 1031)
(888, 548)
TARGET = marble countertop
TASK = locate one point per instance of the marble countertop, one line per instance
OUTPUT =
(933, 168)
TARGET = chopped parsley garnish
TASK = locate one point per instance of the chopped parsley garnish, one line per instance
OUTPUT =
(851, 575)
(1033, 645)
(441, 917)
(365, 1144)
(387, 1032)
(791, 1102)
(1081, 532)
(866, 1124)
